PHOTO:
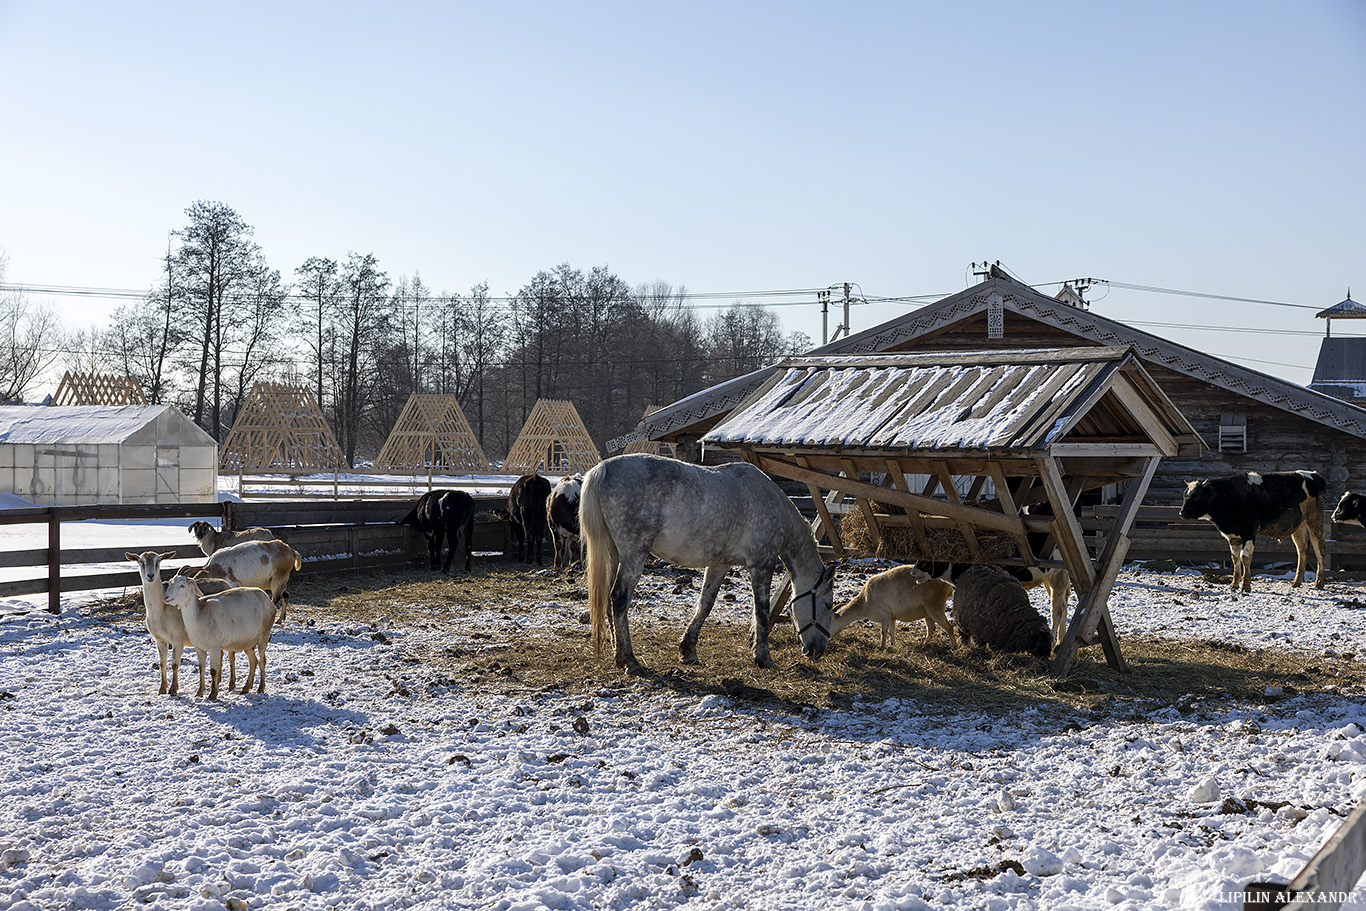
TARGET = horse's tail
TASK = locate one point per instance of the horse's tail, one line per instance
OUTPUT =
(599, 557)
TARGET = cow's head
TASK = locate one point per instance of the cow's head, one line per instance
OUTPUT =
(1351, 508)
(1199, 500)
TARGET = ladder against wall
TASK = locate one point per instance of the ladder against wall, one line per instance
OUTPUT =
(432, 435)
(553, 440)
(280, 428)
(98, 389)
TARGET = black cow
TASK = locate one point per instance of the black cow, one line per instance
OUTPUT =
(1278, 504)
(1351, 508)
(526, 506)
(447, 514)
(562, 518)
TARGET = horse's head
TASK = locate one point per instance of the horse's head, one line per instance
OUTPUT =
(812, 610)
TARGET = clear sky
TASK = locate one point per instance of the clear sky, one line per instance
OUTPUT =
(732, 147)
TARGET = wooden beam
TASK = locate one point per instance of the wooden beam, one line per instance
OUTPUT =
(941, 471)
(980, 517)
(1093, 613)
(1067, 534)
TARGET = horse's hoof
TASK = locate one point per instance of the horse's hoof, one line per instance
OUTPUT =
(688, 659)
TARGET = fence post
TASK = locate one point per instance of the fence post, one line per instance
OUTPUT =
(54, 562)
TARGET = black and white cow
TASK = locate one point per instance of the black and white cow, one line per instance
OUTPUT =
(562, 518)
(1278, 504)
(447, 514)
(1351, 508)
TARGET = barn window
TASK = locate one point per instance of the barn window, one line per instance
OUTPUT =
(1232, 432)
(996, 317)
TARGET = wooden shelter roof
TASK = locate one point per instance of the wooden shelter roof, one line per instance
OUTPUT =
(703, 410)
(1025, 401)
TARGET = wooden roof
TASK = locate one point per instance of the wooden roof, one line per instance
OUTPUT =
(281, 428)
(1076, 400)
(700, 412)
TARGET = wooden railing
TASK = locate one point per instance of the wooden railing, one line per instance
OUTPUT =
(336, 488)
(330, 535)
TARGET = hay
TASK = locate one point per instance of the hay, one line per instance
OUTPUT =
(946, 545)
(514, 655)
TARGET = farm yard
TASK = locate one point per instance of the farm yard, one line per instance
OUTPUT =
(433, 742)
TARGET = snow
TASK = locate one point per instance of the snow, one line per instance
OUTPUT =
(364, 780)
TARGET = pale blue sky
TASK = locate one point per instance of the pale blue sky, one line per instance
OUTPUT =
(731, 147)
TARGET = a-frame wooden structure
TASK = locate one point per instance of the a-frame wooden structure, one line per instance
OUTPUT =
(280, 428)
(98, 389)
(553, 440)
(968, 442)
(432, 435)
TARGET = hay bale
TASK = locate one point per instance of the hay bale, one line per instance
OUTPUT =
(991, 606)
(946, 545)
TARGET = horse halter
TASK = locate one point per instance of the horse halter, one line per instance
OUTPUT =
(809, 593)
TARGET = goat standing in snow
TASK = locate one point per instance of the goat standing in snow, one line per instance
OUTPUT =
(165, 623)
(239, 618)
(257, 564)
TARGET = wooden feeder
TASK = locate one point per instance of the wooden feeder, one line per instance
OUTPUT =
(967, 442)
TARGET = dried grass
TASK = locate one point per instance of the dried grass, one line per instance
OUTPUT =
(1191, 675)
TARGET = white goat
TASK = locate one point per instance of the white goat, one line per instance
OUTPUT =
(210, 539)
(901, 593)
(256, 564)
(239, 618)
(164, 622)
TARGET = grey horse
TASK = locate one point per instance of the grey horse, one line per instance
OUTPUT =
(713, 518)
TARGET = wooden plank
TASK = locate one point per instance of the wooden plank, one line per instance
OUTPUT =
(984, 518)
(1067, 534)
(1329, 877)
(941, 471)
(912, 516)
(1129, 397)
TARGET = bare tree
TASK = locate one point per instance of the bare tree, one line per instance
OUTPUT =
(31, 339)
(359, 316)
(320, 287)
(218, 258)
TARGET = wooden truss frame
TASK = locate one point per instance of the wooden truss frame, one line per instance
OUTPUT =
(98, 389)
(432, 435)
(552, 440)
(280, 428)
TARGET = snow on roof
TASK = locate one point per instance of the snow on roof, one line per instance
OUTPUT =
(969, 401)
(91, 424)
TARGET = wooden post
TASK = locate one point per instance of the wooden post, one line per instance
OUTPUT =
(54, 562)
(1326, 881)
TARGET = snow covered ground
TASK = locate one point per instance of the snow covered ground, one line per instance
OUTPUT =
(361, 780)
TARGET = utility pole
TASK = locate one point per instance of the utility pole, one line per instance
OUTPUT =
(824, 298)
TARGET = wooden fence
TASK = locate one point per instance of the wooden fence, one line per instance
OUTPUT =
(330, 535)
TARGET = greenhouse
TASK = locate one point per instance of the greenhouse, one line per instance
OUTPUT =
(86, 455)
